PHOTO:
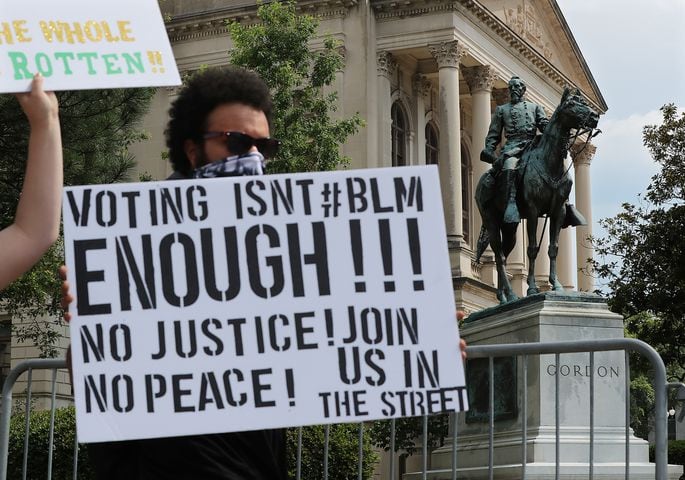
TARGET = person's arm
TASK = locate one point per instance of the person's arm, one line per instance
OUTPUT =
(493, 138)
(541, 119)
(36, 223)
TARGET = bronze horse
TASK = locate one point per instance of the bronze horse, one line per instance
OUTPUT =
(543, 190)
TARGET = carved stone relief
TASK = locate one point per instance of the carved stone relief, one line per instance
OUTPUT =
(523, 20)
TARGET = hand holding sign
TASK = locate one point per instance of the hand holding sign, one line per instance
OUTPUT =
(36, 223)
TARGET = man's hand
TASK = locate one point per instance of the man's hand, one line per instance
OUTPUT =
(39, 106)
(462, 342)
(488, 156)
(67, 298)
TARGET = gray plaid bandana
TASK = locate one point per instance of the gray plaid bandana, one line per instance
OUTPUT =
(249, 164)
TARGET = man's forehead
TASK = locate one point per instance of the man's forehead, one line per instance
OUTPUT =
(236, 112)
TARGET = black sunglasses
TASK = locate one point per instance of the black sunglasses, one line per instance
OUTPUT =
(241, 143)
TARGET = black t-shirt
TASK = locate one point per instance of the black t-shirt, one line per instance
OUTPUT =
(252, 455)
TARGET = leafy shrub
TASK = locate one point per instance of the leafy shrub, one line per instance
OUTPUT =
(343, 452)
(676, 452)
(641, 405)
(342, 456)
(408, 430)
(63, 446)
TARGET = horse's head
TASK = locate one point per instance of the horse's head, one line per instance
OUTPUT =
(574, 112)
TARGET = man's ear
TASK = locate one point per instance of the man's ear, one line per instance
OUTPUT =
(192, 151)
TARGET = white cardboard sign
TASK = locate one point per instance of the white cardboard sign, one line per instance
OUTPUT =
(207, 306)
(77, 44)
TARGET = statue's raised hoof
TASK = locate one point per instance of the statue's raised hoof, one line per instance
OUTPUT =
(532, 291)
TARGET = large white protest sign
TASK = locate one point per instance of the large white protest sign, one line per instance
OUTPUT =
(207, 306)
(78, 44)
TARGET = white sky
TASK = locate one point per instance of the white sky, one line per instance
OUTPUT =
(636, 52)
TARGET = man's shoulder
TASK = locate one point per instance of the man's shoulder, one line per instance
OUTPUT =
(177, 176)
(503, 109)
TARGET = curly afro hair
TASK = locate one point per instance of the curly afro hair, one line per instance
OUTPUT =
(202, 93)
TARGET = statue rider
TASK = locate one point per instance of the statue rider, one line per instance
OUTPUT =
(520, 120)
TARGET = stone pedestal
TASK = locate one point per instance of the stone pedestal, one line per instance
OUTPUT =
(546, 317)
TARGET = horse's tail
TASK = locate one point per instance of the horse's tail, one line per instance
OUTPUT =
(483, 242)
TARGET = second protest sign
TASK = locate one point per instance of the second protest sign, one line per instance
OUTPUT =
(221, 305)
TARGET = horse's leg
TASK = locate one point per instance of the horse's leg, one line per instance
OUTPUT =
(554, 229)
(496, 244)
(508, 238)
(533, 248)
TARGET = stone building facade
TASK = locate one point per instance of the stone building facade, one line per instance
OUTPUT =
(426, 76)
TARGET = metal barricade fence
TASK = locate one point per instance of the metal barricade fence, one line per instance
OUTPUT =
(474, 352)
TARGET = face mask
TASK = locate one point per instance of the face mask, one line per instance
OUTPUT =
(251, 163)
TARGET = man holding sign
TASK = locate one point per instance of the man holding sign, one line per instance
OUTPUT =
(219, 123)
(249, 304)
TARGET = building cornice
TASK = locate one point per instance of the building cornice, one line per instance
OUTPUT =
(390, 9)
(214, 22)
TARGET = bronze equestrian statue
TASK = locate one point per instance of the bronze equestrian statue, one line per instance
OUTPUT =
(528, 179)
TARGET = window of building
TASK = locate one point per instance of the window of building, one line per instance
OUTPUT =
(465, 194)
(399, 135)
(432, 149)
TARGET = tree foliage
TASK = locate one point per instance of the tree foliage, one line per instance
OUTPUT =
(278, 49)
(643, 254)
(643, 262)
(97, 127)
(343, 452)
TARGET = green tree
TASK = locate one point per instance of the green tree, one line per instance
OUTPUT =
(278, 49)
(97, 126)
(642, 258)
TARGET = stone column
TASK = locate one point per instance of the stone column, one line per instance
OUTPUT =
(582, 157)
(422, 88)
(565, 267)
(480, 81)
(448, 56)
(542, 260)
(386, 66)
